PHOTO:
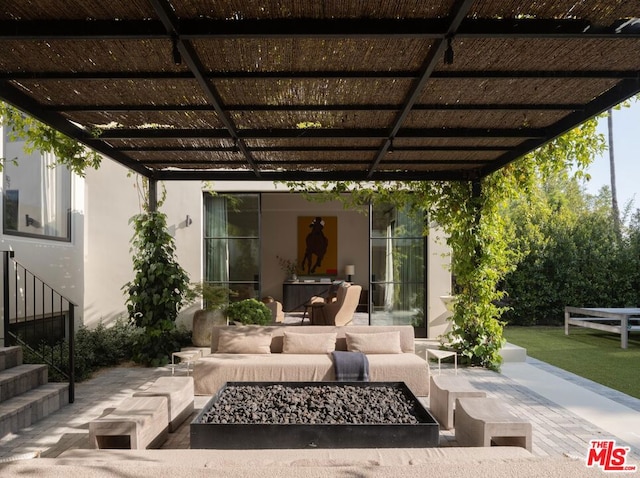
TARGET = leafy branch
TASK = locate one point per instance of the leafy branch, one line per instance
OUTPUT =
(41, 137)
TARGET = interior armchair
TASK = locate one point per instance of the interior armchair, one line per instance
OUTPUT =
(339, 310)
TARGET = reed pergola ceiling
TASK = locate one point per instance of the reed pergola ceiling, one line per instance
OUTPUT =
(317, 89)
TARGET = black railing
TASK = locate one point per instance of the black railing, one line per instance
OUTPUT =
(39, 319)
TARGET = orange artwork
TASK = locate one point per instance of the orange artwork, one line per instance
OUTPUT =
(318, 245)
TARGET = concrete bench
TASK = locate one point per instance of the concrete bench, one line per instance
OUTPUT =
(485, 422)
(443, 392)
(179, 394)
(137, 423)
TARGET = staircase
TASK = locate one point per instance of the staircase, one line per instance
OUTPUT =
(25, 394)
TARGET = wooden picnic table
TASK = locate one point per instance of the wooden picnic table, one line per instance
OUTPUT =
(597, 315)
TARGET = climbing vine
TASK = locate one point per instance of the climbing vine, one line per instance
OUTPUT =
(159, 288)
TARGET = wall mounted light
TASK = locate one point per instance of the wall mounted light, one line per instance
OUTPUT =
(350, 270)
(31, 221)
(188, 221)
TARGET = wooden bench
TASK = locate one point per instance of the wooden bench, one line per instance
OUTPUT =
(485, 422)
(443, 392)
(179, 394)
(137, 423)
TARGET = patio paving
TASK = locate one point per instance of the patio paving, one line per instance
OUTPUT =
(559, 429)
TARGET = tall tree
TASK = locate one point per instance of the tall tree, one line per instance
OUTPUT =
(615, 211)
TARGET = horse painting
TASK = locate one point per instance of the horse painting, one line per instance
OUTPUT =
(316, 244)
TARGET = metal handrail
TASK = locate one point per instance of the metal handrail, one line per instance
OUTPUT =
(35, 317)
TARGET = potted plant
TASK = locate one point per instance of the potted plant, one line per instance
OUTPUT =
(289, 267)
(215, 298)
(249, 312)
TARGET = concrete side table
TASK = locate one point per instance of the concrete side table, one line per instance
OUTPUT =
(444, 391)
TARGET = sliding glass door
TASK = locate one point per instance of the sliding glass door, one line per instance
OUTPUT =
(232, 242)
(398, 266)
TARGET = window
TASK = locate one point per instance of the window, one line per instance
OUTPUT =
(232, 242)
(397, 267)
(36, 195)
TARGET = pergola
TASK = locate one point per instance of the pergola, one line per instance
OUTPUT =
(314, 89)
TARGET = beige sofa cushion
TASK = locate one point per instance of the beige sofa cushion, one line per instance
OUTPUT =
(277, 334)
(239, 342)
(308, 343)
(376, 343)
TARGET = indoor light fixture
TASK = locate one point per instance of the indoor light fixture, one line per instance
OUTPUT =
(350, 270)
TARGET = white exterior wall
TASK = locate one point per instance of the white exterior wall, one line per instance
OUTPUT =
(438, 284)
(111, 199)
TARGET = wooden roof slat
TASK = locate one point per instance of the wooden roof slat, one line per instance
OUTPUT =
(317, 89)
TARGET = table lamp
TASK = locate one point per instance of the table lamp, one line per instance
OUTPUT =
(350, 271)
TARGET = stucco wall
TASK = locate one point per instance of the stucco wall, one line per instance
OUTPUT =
(111, 200)
(438, 284)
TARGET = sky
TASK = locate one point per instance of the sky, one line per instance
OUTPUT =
(626, 147)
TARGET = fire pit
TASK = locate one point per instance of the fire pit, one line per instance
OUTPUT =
(262, 415)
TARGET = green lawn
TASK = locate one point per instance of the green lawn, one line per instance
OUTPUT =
(589, 353)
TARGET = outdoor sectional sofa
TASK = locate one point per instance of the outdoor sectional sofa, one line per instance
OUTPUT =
(303, 354)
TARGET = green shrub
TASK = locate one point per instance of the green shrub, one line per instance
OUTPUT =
(249, 311)
(94, 349)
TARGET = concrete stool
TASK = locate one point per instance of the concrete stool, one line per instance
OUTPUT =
(485, 422)
(137, 423)
(443, 392)
(179, 394)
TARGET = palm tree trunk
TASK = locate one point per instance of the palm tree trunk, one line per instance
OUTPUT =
(615, 211)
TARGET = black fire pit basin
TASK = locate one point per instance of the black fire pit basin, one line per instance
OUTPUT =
(424, 434)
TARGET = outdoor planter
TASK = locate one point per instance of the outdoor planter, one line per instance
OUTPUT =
(203, 322)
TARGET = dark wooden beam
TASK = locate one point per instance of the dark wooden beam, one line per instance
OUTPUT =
(184, 163)
(177, 133)
(611, 98)
(332, 107)
(194, 29)
(199, 175)
(316, 75)
(302, 149)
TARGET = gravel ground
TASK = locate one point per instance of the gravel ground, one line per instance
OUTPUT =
(281, 404)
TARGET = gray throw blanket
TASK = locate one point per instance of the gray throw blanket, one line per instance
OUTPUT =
(350, 366)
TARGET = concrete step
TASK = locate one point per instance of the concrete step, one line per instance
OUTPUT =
(31, 406)
(21, 379)
(10, 357)
(513, 353)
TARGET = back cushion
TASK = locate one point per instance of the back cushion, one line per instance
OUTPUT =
(375, 343)
(308, 343)
(235, 342)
